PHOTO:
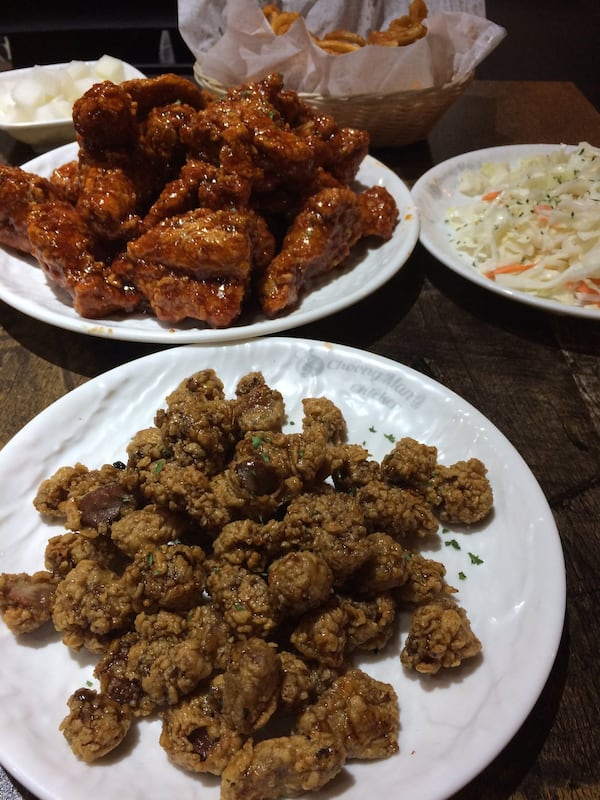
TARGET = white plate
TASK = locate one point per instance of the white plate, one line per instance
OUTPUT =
(437, 190)
(451, 726)
(369, 266)
(50, 133)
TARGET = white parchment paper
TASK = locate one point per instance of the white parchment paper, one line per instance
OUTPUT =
(232, 43)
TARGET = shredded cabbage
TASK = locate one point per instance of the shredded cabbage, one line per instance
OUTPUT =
(535, 226)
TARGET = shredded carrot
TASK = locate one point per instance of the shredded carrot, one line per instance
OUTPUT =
(583, 288)
(489, 196)
(542, 208)
(505, 269)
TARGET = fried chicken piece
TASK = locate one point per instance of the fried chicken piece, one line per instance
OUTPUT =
(66, 179)
(164, 90)
(300, 580)
(198, 424)
(296, 689)
(95, 724)
(160, 142)
(214, 245)
(109, 202)
(100, 507)
(319, 239)
(245, 133)
(440, 637)
(409, 463)
(65, 247)
(386, 568)
(379, 212)
(55, 494)
(206, 624)
(354, 468)
(283, 767)
(321, 634)
(370, 621)
(198, 264)
(155, 665)
(461, 493)
(360, 712)
(21, 191)
(321, 414)
(251, 685)
(105, 120)
(199, 184)
(168, 576)
(165, 660)
(196, 736)
(257, 406)
(332, 525)
(107, 117)
(250, 543)
(338, 151)
(147, 527)
(91, 605)
(267, 470)
(85, 498)
(244, 599)
(66, 550)
(26, 600)
(394, 510)
(425, 580)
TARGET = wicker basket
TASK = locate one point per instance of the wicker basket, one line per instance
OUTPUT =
(393, 120)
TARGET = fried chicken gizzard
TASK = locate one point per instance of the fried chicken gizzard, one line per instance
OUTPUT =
(226, 575)
(185, 206)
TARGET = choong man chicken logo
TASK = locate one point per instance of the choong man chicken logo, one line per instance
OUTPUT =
(311, 365)
(390, 388)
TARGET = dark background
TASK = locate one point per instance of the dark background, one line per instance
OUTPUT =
(547, 39)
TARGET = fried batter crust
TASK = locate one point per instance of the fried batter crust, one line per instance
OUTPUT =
(282, 767)
(229, 574)
(440, 636)
(360, 712)
(26, 600)
(21, 191)
(95, 724)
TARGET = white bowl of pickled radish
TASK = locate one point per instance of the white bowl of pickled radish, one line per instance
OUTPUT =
(36, 103)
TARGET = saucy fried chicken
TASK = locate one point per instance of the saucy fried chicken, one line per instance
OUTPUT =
(20, 191)
(186, 206)
(65, 247)
(318, 240)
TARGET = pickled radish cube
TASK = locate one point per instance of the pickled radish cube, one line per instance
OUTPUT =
(110, 69)
(75, 70)
(29, 93)
(79, 87)
(15, 114)
(55, 109)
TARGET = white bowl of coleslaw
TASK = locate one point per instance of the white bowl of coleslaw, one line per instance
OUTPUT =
(523, 221)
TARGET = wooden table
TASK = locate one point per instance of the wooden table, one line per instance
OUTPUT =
(535, 375)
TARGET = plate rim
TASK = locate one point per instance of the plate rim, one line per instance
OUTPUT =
(454, 261)
(553, 637)
(403, 241)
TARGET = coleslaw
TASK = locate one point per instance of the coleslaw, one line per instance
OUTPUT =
(534, 226)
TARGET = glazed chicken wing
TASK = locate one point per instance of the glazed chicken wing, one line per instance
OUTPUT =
(318, 240)
(187, 206)
(20, 191)
(64, 246)
(198, 264)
